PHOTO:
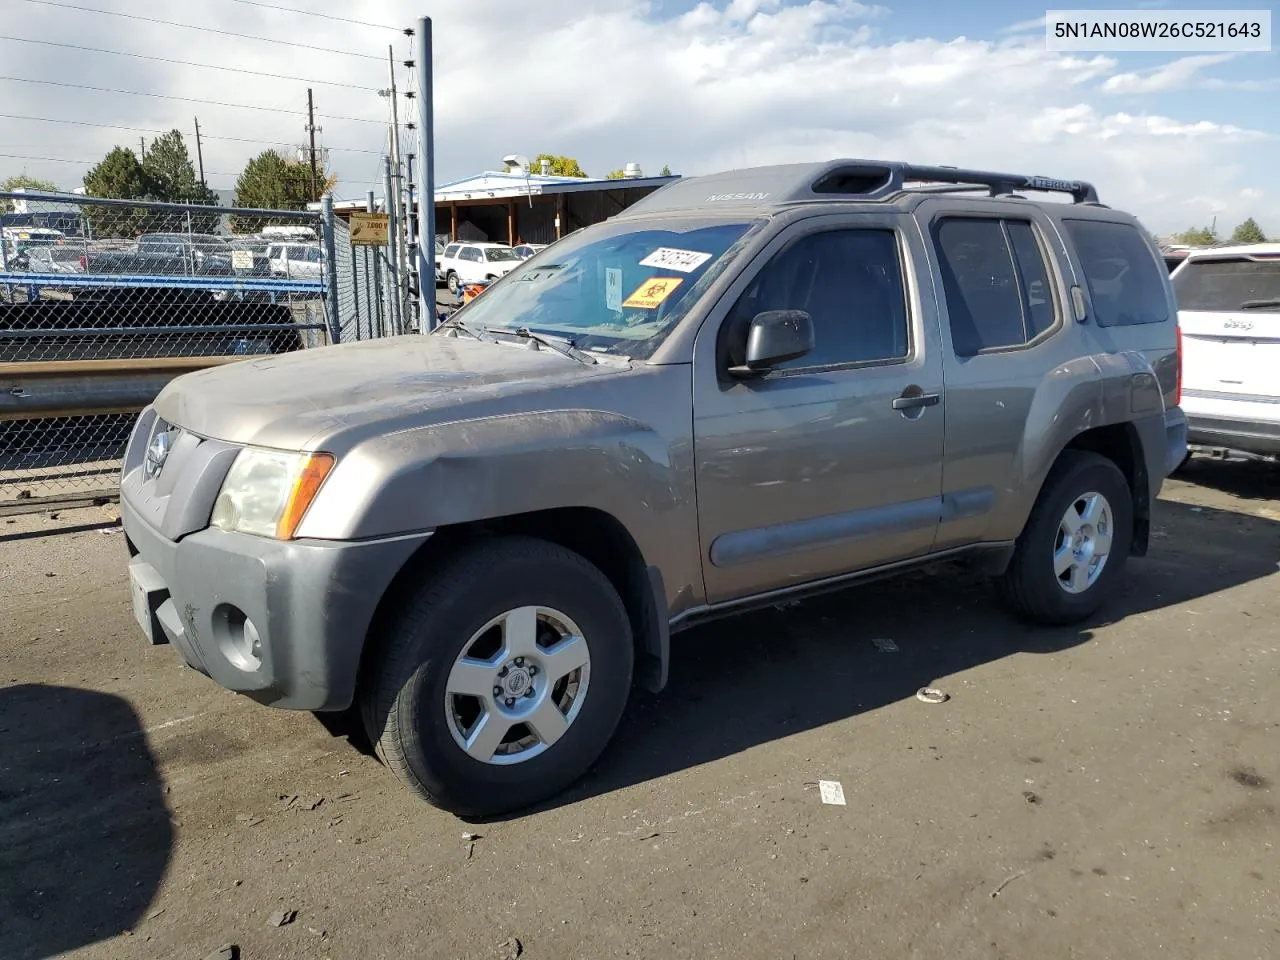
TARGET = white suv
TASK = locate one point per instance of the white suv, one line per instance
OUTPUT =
(468, 262)
(1229, 313)
(295, 261)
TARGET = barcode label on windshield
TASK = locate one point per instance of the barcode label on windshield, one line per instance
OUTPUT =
(670, 258)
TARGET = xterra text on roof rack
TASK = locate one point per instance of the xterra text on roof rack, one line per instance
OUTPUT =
(747, 387)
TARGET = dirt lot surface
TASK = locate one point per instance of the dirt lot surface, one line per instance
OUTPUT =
(1105, 792)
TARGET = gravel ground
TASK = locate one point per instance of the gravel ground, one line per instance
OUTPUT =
(1102, 792)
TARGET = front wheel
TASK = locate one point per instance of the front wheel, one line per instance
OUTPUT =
(1075, 543)
(502, 679)
(452, 282)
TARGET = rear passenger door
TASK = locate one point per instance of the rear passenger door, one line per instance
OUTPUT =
(811, 471)
(1001, 280)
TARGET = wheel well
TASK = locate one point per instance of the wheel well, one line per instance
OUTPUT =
(591, 533)
(1120, 444)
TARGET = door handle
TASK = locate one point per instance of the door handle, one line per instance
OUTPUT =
(916, 402)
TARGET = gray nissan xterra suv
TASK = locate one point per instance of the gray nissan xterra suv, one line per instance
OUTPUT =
(747, 387)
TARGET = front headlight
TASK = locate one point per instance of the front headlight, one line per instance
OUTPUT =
(267, 492)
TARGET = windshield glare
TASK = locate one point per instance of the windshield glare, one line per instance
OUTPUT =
(1224, 285)
(500, 253)
(615, 288)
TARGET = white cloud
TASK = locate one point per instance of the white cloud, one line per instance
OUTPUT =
(721, 85)
(1176, 75)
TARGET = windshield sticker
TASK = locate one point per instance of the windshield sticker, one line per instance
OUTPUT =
(651, 293)
(670, 258)
(613, 289)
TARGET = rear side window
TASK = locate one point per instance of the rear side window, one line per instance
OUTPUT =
(1229, 284)
(995, 281)
(1126, 283)
(450, 251)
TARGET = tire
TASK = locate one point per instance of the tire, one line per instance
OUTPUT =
(451, 281)
(1032, 585)
(412, 718)
(1182, 465)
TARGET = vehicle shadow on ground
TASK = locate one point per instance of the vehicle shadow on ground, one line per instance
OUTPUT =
(1246, 479)
(742, 682)
(85, 833)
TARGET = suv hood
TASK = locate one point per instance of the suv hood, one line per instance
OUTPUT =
(324, 397)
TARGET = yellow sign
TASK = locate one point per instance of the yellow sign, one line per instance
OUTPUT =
(369, 229)
(652, 292)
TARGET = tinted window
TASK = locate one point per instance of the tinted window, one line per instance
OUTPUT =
(500, 253)
(451, 250)
(995, 281)
(1226, 285)
(313, 255)
(1126, 284)
(848, 281)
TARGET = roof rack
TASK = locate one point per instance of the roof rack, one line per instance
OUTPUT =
(858, 180)
(875, 180)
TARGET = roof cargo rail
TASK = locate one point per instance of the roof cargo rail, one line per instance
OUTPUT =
(863, 180)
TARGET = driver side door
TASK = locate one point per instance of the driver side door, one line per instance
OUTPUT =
(832, 462)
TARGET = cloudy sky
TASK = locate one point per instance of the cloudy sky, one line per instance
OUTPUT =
(1176, 138)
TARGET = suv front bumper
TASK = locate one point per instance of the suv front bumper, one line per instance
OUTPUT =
(283, 622)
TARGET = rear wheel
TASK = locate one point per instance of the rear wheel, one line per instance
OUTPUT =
(452, 282)
(1075, 543)
(502, 679)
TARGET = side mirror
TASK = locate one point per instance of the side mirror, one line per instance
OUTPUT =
(775, 337)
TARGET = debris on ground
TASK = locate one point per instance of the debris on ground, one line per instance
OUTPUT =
(932, 695)
(885, 645)
(470, 837)
(294, 802)
(510, 949)
(228, 951)
(1007, 880)
(1030, 796)
(248, 820)
(831, 791)
(282, 918)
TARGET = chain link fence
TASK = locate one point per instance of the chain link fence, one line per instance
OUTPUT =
(372, 294)
(103, 301)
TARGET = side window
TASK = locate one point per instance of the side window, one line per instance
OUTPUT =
(451, 250)
(1126, 285)
(995, 282)
(849, 281)
(313, 255)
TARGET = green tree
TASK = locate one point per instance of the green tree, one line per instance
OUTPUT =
(615, 174)
(1198, 237)
(665, 171)
(560, 166)
(23, 182)
(172, 178)
(271, 181)
(119, 176)
(1248, 232)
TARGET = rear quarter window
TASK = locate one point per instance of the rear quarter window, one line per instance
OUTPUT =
(1227, 284)
(1125, 281)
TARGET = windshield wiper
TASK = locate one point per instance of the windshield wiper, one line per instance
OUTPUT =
(1258, 304)
(561, 345)
(453, 323)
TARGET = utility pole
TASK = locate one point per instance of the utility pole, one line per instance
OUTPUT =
(311, 131)
(199, 152)
(142, 144)
(401, 261)
(426, 179)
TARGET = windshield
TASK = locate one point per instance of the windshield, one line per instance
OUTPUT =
(616, 287)
(1226, 285)
(500, 253)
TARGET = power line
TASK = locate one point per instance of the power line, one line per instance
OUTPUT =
(191, 26)
(188, 63)
(318, 16)
(88, 163)
(169, 96)
(207, 136)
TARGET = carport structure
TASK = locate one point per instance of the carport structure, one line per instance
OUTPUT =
(517, 207)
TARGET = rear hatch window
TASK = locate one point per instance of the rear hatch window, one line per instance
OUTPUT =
(1229, 308)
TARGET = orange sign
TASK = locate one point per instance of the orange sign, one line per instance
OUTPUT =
(651, 293)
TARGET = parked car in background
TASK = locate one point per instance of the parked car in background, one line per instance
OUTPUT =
(463, 263)
(1229, 313)
(526, 250)
(296, 261)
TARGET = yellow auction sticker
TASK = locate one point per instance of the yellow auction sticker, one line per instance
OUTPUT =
(652, 292)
